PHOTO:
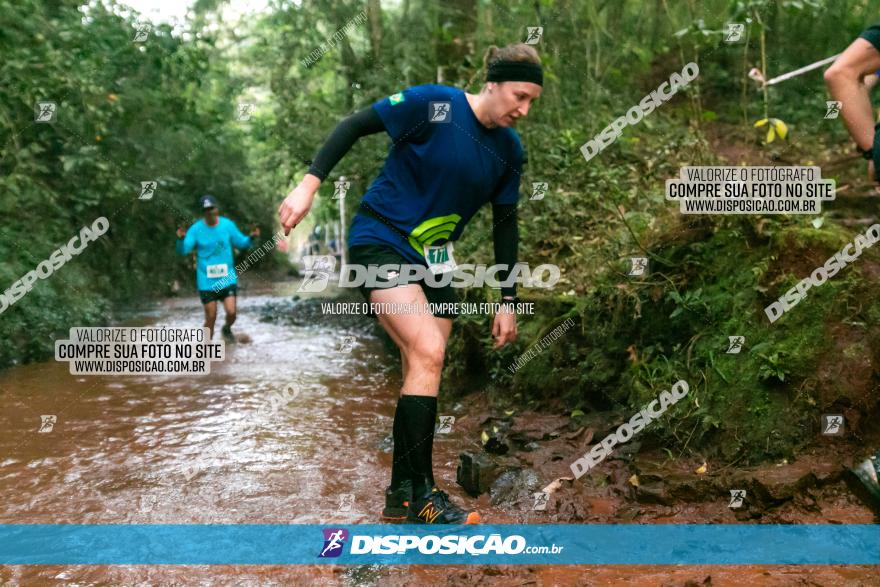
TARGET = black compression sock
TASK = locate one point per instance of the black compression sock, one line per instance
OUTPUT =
(414, 440)
(400, 470)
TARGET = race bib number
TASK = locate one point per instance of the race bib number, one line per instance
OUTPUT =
(219, 270)
(440, 259)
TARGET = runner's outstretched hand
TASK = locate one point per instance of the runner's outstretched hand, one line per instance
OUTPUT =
(181, 231)
(504, 328)
(298, 202)
(255, 232)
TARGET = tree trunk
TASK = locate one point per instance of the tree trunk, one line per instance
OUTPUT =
(457, 24)
(374, 14)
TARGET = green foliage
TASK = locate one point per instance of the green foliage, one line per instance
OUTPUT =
(126, 112)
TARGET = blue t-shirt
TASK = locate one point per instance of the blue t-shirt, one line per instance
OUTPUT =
(213, 245)
(438, 173)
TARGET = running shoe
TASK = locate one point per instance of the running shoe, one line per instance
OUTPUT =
(226, 331)
(435, 508)
(867, 474)
(397, 502)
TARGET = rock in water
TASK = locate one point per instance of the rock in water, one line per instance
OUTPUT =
(386, 445)
(475, 473)
(514, 486)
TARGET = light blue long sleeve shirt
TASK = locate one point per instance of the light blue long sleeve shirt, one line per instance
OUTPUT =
(213, 246)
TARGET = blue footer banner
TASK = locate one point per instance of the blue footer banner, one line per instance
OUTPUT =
(567, 544)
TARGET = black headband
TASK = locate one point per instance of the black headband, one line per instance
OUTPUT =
(515, 71)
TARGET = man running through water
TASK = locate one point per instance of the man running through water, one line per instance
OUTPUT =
(213, 238)
(452, 152)
(849, 78)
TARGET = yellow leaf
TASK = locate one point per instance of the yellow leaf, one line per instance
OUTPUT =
(634, 481)
(771, 134)
(761, 122)
(781, 128)
(701, 470)
(484, 437)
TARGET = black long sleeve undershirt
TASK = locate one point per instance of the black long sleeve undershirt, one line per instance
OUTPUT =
(505, 233)
(505, 237)
(343, 137)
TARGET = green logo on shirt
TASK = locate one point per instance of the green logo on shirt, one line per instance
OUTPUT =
(396, 98)
(432, 230)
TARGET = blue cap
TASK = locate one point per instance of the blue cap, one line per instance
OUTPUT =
(207, 201)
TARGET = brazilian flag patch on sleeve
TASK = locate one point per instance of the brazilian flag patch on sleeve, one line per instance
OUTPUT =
(396, 98)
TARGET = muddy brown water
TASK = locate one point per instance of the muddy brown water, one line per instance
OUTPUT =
(209, 449)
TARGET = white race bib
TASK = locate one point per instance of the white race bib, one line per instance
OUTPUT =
(219, 270)
(439, 258)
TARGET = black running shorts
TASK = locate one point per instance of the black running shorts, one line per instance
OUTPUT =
(368, 255)
(208, 295)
